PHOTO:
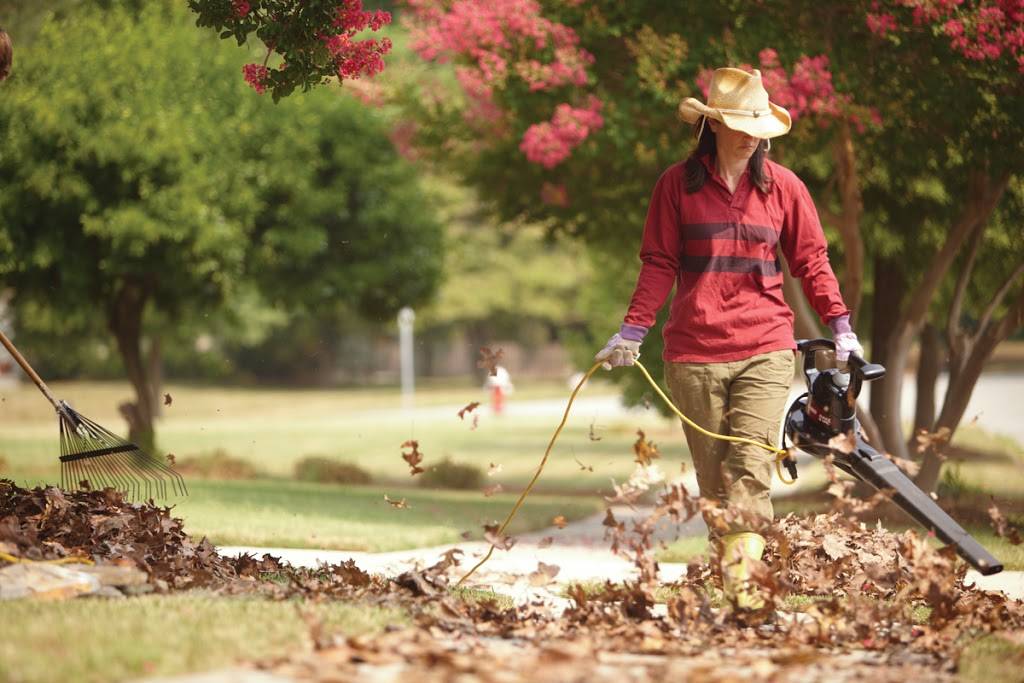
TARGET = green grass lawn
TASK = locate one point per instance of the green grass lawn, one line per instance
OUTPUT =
(997, 657)
(95, 641)
(273, 429)
(305, 515)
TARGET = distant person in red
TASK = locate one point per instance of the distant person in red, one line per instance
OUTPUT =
(500, 385)
(714, 225)
(6, 54)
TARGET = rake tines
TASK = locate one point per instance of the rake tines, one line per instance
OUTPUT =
(93, 457)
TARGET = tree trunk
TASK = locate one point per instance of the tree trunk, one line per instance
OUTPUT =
(963, 381)
(154, 361)
(125, 322)
(983, 195)
(848, 220)
(888, 278)
(929, 366)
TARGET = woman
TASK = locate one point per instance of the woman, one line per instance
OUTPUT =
(712, 228)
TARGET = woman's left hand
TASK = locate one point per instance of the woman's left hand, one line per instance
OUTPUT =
(847, 343)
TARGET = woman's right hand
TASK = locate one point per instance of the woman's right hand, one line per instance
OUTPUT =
(618, 352)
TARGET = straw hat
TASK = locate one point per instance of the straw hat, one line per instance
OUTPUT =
(738, 99)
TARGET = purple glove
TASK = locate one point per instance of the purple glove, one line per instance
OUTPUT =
(623, 348)
(845, 339)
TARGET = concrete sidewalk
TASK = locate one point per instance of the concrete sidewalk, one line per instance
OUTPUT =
(507, 572)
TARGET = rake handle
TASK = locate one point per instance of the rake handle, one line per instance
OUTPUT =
(28, 369)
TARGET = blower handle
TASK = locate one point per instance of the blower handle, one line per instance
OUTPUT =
(860, 370)
(28, 370)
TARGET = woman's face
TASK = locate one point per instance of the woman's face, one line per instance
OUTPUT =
(733, 144)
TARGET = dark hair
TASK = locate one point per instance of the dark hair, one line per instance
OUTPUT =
(696, 173)
(6, 54)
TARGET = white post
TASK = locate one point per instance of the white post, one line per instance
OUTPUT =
(406, 317)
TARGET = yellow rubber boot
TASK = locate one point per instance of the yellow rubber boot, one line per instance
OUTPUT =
(738, 550)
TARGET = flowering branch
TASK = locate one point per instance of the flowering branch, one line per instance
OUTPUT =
(316, 39)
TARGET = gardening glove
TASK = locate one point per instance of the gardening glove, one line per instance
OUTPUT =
(845, 339)
(623, 348)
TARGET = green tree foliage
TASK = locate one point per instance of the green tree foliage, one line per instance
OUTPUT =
(144, 187)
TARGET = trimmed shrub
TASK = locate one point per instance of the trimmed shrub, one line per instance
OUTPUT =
(330, 471)
(217, 465)
(448, 474)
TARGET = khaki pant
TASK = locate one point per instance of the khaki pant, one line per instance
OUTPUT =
(739, 398)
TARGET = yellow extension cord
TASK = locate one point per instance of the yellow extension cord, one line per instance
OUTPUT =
(64, 560)
(780, 453)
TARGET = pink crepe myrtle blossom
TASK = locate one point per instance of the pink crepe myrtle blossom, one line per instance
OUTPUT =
(257, 76)
(984, 30)
(549, 143)
(495, 44)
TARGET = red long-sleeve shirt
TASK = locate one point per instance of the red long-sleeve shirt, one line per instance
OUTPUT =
(719, 250)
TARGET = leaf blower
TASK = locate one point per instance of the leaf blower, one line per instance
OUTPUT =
(829, 410)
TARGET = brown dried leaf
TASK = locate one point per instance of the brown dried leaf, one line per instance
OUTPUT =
(397, 504)
(497, 539)
(490, 360)
(468, 408)
(1002, 525)
(909, 467)
(168, 400)
(544, 574)
(413, 457)
(644, 449)
(171, 460)
(844, 443)
(834, 547)
(935, 441)
(560, 521)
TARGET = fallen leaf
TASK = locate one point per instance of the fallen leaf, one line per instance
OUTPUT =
(560, 521)
(935, 441)
(644, 449)
(909, 467)
(413, 457)
(1002, 525)
(496, 538)
(468, 408)
(171, 460)
(168, 400)
(397, 504)
(492, 489)
(544, 574)
(489, 360)
(834, 547)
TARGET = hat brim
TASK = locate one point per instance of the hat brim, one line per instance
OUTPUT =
(768, 126)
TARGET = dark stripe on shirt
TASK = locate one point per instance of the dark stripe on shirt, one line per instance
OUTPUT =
(743, 232)
(729, 264)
